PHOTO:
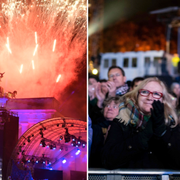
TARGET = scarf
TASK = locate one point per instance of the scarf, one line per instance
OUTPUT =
(130, 115)
(122, 90)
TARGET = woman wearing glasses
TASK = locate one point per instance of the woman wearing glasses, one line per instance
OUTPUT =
(110, 111)
(145, 134)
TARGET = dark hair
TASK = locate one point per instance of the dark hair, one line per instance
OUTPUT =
(102, 80)
(136, 80)
(114, 67)
(93, 76)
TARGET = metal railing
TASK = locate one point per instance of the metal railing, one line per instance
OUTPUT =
(136, 174)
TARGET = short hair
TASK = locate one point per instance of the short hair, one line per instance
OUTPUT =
(168, 110)
(116, 67)
(136, 80)
(173, 85)
(93, 76)
(116, 99)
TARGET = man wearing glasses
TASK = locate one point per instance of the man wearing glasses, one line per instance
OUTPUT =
(116, 83)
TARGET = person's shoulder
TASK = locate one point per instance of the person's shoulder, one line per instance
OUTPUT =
(118, 123)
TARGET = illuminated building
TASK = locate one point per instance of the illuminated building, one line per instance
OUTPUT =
(50, 145)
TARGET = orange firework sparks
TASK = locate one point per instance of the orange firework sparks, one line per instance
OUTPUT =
(59, 76)
(32, 28)
(33, 64)
(36, 37)
(21, 68)
(35, 50)
(54, 45)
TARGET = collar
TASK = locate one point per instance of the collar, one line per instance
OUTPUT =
(122, 90)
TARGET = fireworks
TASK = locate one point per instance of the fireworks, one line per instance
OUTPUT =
(54, 45)
(57, 80)
(52, 33)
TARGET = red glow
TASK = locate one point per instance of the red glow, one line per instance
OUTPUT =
(42, 25)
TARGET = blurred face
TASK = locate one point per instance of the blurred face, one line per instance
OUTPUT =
(92, 81)
(111, 111)
(116, 76)
(136, 84)
(176, 90)
(145, 103)
(104, 88)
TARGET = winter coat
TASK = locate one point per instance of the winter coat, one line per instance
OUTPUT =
(125, 147)
(99, 131)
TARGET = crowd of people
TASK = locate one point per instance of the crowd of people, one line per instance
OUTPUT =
(133, 125)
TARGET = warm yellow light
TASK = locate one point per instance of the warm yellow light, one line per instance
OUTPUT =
(95, 71)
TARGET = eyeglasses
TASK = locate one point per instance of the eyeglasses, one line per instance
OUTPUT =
(112, 75)
(155, 94)
(113, 106)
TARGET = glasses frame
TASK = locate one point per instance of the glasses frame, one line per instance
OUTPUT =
(113, 75)
(150, 93)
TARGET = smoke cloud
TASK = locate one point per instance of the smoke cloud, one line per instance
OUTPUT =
(31, 59)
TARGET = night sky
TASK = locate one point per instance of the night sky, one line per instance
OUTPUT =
(134, 9)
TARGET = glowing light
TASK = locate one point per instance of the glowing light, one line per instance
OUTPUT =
(35, 50)
(54, 45)
(21, 68)
(8, 41)
(36, 37)
(36, 161)
(57, 80)
(8, 48)
(33, 64)
(78, 152)
(64, 161)
(37, 28)
(95, 71)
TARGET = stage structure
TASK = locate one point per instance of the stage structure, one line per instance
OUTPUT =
(50, 146)
(53, 144)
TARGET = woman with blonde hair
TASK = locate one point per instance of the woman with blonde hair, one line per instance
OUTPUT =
(145, 134)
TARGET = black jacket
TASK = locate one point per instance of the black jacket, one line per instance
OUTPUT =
(125, 148)
(99, 131)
